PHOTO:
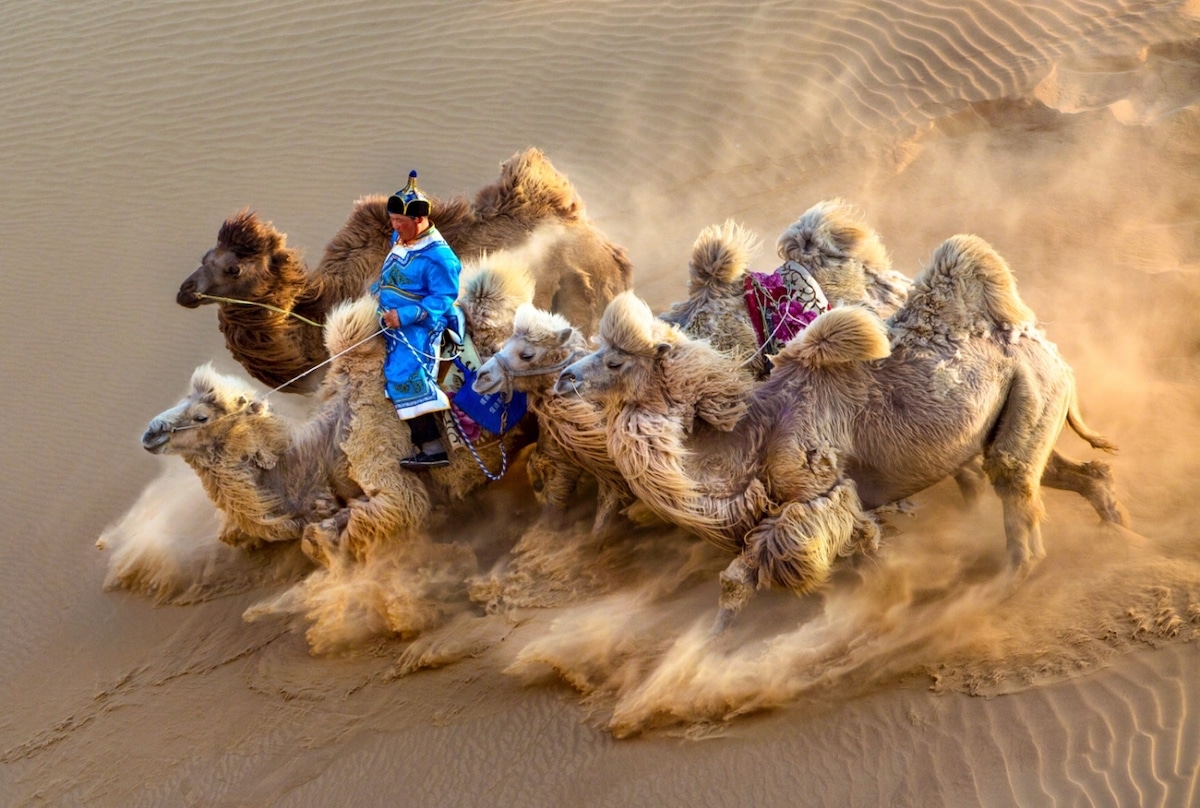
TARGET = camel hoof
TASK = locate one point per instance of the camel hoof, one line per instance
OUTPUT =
(721, 623)
(321, 542)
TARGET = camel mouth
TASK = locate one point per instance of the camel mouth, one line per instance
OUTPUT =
(487, 383)
(188, 299)
(155, 442)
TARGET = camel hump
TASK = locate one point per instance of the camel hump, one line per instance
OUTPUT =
(351, 322)
(246, 235)
(966, 280)
(837, 337)
(529, 184)
(628, 324)
(833, 230)
(720, 255)
(490, 291)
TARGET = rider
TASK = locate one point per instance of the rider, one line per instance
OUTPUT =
(416, 289)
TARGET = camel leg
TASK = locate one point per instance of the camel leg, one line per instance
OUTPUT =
(553, 478)
(609, 501)
(321, 541)
(970, 480)
(1093, 481)
(1022, 442)
(737, 587)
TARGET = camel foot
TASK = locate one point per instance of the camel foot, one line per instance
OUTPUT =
(321, 542)
(721, 623)
(737, 587)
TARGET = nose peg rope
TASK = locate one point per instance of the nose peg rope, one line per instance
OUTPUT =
(261, 305)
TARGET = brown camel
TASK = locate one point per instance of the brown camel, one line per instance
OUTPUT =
(845, 424)
(531, 210)
(335, 480)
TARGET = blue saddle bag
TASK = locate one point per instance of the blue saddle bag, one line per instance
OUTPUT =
(493, 411)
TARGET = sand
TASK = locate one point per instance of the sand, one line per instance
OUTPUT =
(167, 669)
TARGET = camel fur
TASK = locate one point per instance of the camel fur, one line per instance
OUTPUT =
(830, 240)
(853, 417)
(333, 481)
(572, 430)
(531, 208)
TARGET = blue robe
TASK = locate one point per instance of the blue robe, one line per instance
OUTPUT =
(420, 281)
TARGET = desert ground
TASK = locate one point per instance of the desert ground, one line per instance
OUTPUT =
(148, 664)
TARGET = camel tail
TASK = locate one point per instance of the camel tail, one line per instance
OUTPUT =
(1075, 420)
(720, 255)
(837, 337)
(350, 323)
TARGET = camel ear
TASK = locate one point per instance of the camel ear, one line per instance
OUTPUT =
(662, 349)
(564, 335)
(256, 407)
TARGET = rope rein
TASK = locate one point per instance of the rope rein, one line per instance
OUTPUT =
(317, 366)
(261, 305)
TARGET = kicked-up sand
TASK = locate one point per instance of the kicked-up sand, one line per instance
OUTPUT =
(168, 669)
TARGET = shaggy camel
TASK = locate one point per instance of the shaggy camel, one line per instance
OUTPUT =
(845, 424)
(531, 209)
(572, 437)
(830, 241)
(836, 246)
(334, 481)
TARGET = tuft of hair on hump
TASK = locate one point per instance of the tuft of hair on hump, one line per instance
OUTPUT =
(538, 325)
(720, 255)
(529, 182)
(494, 279)
(246, 235)
(351, 322)
(837, 337)
(630, 326)
(968, 271)
(208, 382)
(833, 228)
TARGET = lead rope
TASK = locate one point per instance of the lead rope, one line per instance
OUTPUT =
(256, 303)
(285, 384)
(475, 454)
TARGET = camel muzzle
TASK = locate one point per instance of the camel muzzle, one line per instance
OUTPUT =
(155, 438)
(487, 381)
(187, 295)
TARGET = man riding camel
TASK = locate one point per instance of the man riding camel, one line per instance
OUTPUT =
(417, 288)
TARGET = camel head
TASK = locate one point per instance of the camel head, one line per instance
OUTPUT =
(209, 420)
(626, 366)
(250, 262)
(542, 343)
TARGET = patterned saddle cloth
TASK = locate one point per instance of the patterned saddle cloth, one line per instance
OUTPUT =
(782, 303)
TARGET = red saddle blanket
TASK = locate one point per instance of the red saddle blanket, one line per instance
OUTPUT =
(781, 304)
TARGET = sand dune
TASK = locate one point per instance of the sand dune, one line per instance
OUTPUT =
(168, 669)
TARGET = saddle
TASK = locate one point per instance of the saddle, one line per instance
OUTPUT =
(781, 304)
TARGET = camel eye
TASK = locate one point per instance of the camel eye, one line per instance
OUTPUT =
(614, 364)
(233, 271)
(201, 419)
(526, 356)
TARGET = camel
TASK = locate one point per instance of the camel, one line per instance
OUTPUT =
(855, 415)
(831, 242)
(531, 210)
(334, 482)
(835, 245)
